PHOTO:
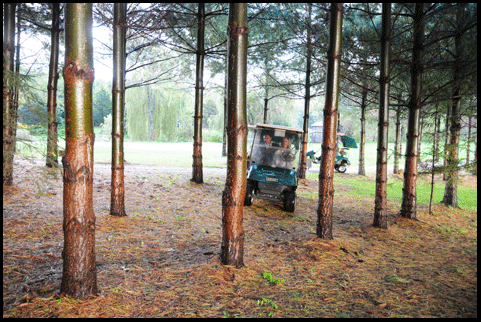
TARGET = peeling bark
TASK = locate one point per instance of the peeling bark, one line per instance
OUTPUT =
(232, 248)
(329, 140)
(79, 277)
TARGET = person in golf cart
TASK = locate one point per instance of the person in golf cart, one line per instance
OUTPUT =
(265, 152)
(273, 165)
(284, 157)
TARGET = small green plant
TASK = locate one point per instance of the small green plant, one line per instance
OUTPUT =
(173, 179)
(396, 279)
(270, 279)
(264, 300)
(304, 308)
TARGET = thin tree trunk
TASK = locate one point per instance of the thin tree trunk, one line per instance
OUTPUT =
(451, 188)
(408, 206)
(17, 74)
(117, 199)
(468, 143)
(433, 170)
(232, 249)
(307, 99)
(438, 136)
(447, 139)
(420, 139)
(362, 143)
(329, 140)
(197, 175)
(266, 107)
(52, 151)
(224, 129)
(397, 142)
(150, 114)
(380, 202)
(9, 117)
(79, 279)
(475, 161)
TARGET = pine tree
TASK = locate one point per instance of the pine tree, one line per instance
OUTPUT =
(79, 278)
(329, 139)
(117, 204)
(232, 249)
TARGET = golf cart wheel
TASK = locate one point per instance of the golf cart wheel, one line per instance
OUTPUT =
(341, 168)
(249, 195)
(290, 201)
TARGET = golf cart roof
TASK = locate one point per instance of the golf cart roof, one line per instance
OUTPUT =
(279, 127)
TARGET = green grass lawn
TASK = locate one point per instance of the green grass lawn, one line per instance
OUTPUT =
(180, 154)
(467, 197)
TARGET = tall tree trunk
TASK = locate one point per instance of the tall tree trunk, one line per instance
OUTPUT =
(433, 170)
(437, 137)
(420, 139)
(447, 139)
(475, 161)
(197, 175)
(307, 98)
(329, 139)
(451, 187)
(232, 249)
(79, 279)
(408, 206)
(9, 115)
(150, 114)
(362, 143)
(224, 128)
(52, 151)
(266, 106)
(117, 198)
(380, 202)
(17, 74)
(397, 142)
(468, 143)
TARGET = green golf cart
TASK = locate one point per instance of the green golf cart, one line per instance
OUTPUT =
(342, 161)
(273, 165)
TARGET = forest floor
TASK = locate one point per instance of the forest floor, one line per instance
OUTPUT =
(162, 260)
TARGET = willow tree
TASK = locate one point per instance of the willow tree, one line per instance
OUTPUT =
(52, 151)
(9, 117)
(380, 206)
(232, 249)
(408, 206)
(326, 173)
(117, 204)
(197, 175)
(79, 279)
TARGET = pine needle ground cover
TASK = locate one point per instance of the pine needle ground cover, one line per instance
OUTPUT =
(162, 260)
